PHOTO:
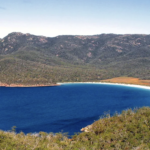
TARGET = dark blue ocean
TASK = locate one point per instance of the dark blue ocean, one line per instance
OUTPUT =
(66, 108)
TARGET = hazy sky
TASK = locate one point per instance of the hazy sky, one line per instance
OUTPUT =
(74, 17)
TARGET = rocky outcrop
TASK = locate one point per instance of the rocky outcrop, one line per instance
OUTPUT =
(87, 128)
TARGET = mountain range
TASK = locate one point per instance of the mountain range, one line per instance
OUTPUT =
(26, 58)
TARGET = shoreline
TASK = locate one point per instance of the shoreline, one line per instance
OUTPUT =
(110, 83)
(61, 83)
(28, 85)
(122, 81)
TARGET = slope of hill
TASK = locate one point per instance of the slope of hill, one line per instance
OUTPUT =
(25, 58)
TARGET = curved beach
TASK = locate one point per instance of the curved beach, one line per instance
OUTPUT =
(106, 83)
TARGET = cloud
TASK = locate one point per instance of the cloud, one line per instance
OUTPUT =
(2, 8)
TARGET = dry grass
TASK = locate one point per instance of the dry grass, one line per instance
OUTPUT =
(128, 80)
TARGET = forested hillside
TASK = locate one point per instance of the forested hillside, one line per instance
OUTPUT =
(25, 58)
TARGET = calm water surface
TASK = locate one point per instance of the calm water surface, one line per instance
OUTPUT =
(66, 108)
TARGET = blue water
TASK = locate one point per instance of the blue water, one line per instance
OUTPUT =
(65, 108)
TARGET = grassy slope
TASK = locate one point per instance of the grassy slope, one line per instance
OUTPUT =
(129, 130)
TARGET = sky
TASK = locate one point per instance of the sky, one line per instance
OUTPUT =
(74, 17)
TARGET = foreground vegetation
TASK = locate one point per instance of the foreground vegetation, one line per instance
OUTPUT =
(128, 130)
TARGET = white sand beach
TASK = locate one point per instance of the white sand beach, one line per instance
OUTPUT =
(106, 83)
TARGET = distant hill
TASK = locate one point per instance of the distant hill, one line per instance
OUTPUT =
(26, 58)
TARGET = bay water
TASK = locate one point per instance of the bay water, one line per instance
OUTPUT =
(65, 108)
